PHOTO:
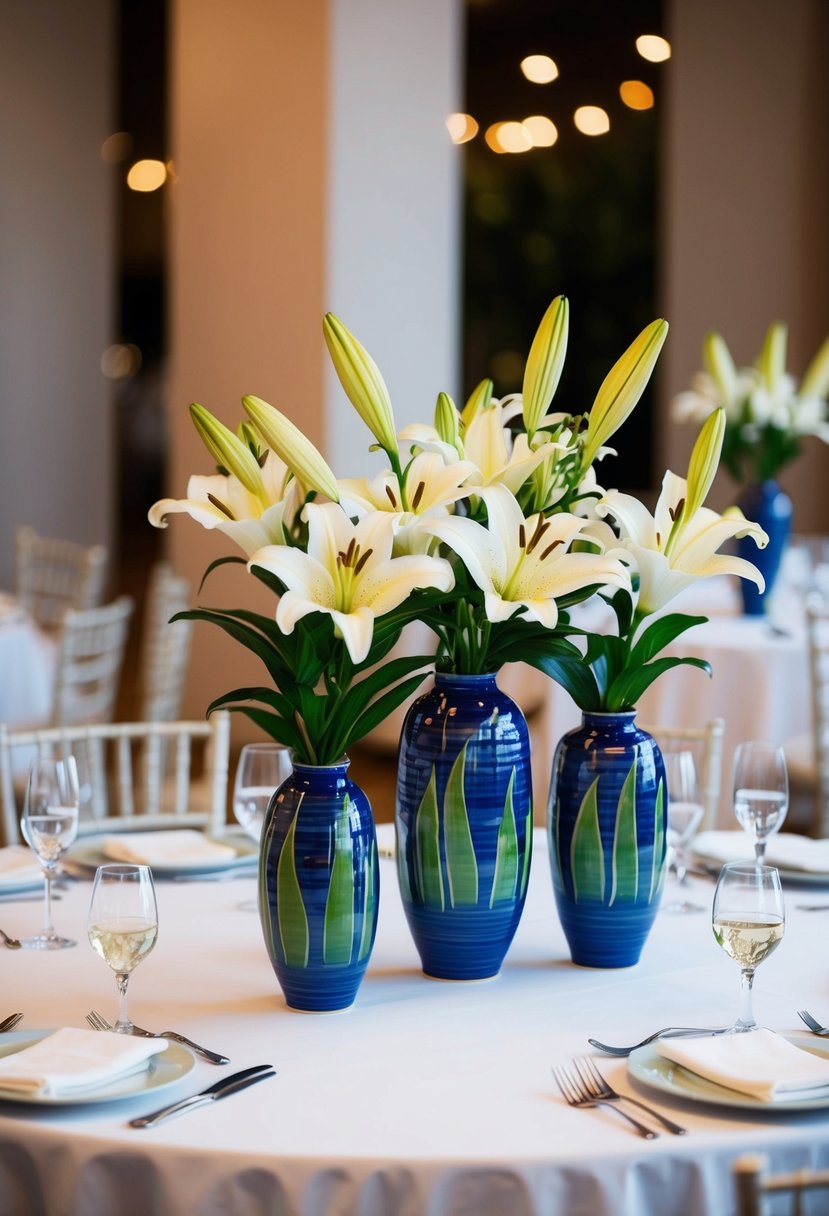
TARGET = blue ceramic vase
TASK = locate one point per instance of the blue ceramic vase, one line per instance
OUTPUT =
(771, 508)
(319, 886)
(606, 831)
(464, 825)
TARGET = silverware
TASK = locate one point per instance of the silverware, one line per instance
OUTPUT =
(812, 1023)
(813, 907)
(575, 1094)
(27, 899)
(596, 1085)
(220, 1089)
(98, 1022)
(11, 942)
(10, 1022)
(668, 1032)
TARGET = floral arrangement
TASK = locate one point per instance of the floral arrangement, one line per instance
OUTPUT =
(488, 524)
(767, 412)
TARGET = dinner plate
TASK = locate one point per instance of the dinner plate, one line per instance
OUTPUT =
(655, 1072)
(20, 887)
(89, 853)
(165, 1069)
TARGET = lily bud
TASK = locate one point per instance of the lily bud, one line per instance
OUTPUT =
(816, 380)
(544, 363)
(479, 399)
(720, 367)
(362, 381)
(288, 441)
(228, 450)
(448, 422)
(705, 459)
(622, 388)
(772, 360)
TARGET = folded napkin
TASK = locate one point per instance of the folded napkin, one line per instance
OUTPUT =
(758, 1062)
(70, 1061)
(184, 847)
(18, 865)
(787, 850)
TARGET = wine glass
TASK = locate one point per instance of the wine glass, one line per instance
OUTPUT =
(123, 925)
(50, 824)
(685, 812)
(748, 920)
(261, 770)
(761, 791)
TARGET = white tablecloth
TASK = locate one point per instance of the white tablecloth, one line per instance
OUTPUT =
(424, 1099)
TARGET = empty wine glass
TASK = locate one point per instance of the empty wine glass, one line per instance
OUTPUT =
(685, 813)
(123, 925)
(761, 791)
(748, 920)
(261, 770)
(50, 824)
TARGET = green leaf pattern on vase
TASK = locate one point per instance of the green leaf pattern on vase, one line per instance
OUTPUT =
(338, 931)
(293, 921)
(506, 859)
(461, 866)
(586, 852)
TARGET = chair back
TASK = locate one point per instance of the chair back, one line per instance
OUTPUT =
(90, 655)
(753, 1185)
(53, 575)
(124, 780)
(817, 625)
(707, 744)
(165, 647)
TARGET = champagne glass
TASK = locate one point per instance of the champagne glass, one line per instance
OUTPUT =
(761, 791)
(123, 925)
(261, 770)
(50, 824)
(748, 920)
(685, 813)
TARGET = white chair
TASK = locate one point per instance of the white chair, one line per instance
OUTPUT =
(123, 778)
(165, 647)
(53, 575)
(706, 742)
(753, 1184)
(807, 756)
(90, 655)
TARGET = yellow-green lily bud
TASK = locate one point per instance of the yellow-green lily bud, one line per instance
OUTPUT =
(448, 422)
(705, 459)
(816, 380)
(772, 361)
(544, 363)
(479, 399)
(361, 379)
(720, 367)
(228, 450)
(623, 386)
(288, 441)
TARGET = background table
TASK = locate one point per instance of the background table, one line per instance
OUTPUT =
(424, 1099)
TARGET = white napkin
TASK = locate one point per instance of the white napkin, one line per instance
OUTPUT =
(758, 1062)
(18, 865)
(72, 1060)
(184, 847)
(787, 850)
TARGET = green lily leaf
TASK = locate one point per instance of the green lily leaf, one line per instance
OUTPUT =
(574, 678)
(627, 690)
(660, 633)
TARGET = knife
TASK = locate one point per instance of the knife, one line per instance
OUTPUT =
(221, 1089)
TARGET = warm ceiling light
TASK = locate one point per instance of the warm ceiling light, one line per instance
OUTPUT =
(592, 120)
(653, 48)
(461, 127)
(514, 137)
(541, 131)
(636, 94)
(116, 147)
(540, 69)
(147, 175)
(491, 137)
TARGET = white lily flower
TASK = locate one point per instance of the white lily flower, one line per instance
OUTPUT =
(426, 437)
(489, 444)
(523, 565)
(349, 573)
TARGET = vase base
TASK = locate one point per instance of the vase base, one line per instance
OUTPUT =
(461, 979)
(301, 1009)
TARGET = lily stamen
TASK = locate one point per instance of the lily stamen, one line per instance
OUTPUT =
(362, 561)
(217, 502)
(549, 549)
(390, 496)
(540, 528)
(418, 494)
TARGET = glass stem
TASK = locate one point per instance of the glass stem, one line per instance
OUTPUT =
(746, 1018)
(48, 927)
(124, 1025)
(759, 851)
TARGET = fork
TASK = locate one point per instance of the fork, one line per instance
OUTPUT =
(10, 1022)
(98, 1022)
(575, 1094)
(811, 1022)
(596, 1085)
(677, 1032)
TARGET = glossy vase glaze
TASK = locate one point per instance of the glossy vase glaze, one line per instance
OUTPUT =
(771, 508)
(319, 886)
(464, 825)
(606, 825)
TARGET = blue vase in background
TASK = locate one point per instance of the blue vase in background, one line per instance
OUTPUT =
(464, 824)
(771, 508)
(319, 886)
(606, 832)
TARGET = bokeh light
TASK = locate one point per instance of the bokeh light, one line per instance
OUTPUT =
(541, 130)
(653, 48)
(540, 69)
(120, 361)
(592, 120)
(116, 147)
(636, 94)
(147, 175)
(461, 127)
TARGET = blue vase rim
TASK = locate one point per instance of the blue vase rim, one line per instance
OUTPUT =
(336, 766)
(609, 715)
(460, 677)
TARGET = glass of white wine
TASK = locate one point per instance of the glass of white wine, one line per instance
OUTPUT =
(50, 824)
(261, 770)
(123, 925)
(761, 791)
(685, 813)
(748, 920)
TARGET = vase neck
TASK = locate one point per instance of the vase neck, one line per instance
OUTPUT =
(624, 720)
(446, 679)
(338, 768)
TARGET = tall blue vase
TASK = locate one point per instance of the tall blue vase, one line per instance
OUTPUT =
(319, 886)
(464, 824)
(771, 508)
(606, 832)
